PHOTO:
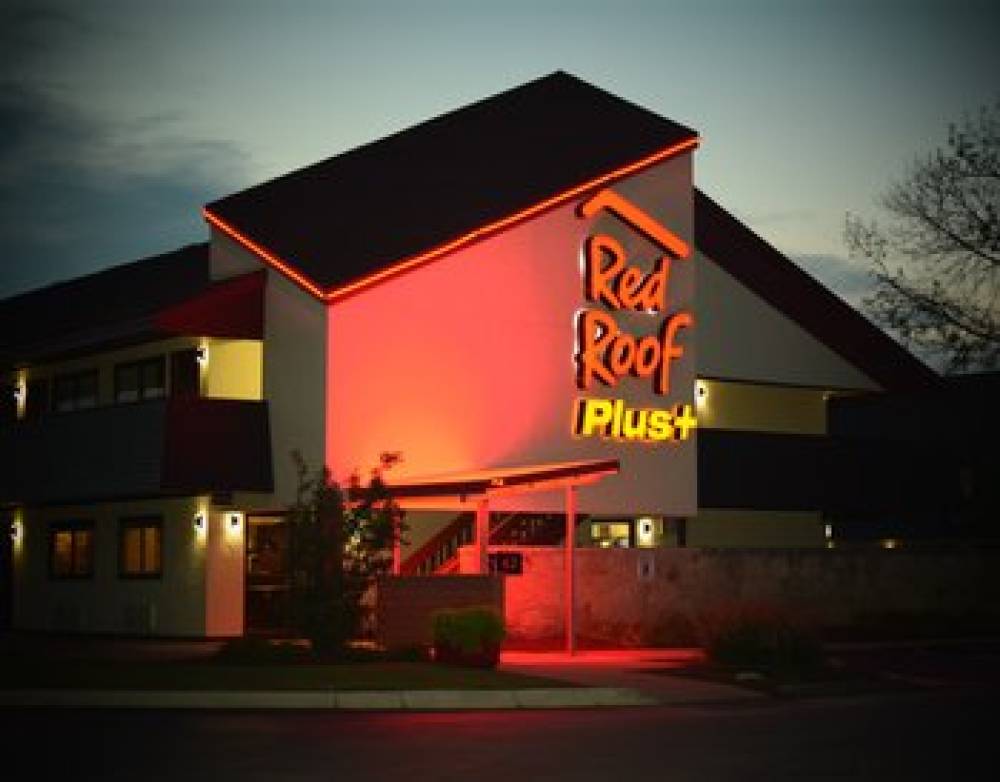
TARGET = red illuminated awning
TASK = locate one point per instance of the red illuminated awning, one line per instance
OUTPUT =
(478, 483)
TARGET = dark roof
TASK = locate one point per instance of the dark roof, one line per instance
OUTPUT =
(154, 297)
(773, 277)
(358, 213)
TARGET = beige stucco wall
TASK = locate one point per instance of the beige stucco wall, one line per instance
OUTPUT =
(742, 337)
(173, 604)
(755, 529)
(225, 564)
(235, 369)
(762, 407)
(293, 357)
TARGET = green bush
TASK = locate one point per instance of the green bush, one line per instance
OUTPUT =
(770, 643)
(468, 630)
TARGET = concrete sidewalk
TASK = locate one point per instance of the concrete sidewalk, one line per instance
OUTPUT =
(645, 671)
(351, 700)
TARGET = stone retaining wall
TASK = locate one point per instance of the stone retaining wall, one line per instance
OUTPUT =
(666, 595)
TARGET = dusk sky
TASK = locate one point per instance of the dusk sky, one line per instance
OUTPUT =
(118, 120)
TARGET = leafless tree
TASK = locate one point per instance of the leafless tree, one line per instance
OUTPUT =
(936, 259)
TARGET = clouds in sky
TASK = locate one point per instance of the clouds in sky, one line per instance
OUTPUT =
(118, 119)
(80, 190)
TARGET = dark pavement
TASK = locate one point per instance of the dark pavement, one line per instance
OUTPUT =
(942, 733)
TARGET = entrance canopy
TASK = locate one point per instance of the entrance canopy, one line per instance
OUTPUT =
(478, 484)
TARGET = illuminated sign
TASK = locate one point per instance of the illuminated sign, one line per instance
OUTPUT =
(606, 353)
(613, 420)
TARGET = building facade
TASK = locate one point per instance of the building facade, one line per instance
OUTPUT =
(527, 299)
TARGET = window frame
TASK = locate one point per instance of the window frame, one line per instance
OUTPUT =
(72, 526)
(74, 379)
(138, 365)
(142, 523)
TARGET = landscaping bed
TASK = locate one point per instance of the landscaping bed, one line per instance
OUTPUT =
(248, 665)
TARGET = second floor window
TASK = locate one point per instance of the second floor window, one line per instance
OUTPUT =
(75, 392)
(140, 380)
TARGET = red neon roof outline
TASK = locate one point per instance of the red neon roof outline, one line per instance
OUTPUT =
(427, 256)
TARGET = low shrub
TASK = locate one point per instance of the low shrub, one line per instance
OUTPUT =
(468, 635)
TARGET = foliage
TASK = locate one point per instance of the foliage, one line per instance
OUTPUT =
(764, 640)
(469, 630)
(936, 262)
(341, 542)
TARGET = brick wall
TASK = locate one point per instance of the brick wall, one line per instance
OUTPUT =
(406, 604)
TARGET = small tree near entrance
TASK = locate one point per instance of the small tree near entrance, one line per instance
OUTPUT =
(341, 541)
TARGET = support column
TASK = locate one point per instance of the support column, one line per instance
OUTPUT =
(397, 549)
(483, 535)
(569, 570)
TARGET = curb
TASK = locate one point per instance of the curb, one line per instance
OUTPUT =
(347, 700)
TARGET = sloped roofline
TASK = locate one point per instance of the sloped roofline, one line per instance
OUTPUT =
(777, 280)
(336, 293)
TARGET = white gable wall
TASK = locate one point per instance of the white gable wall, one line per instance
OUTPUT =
(742, 337)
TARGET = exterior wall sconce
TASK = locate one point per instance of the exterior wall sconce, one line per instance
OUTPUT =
(199, 522)
(700, 393)
(16, 531)
(19, 393)
(234, 522)
(201, 354)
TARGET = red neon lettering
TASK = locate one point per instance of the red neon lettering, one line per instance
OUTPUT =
(606, 353)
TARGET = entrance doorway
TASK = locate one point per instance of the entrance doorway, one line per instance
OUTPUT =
(268, 579)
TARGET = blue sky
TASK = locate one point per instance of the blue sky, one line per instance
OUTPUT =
(119, 119)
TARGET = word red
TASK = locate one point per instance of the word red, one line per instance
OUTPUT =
(605, 352)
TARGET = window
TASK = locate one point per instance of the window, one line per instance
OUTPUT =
(140, 547)
(71, 549)
(140, 380)
(37, 403)
(185, 373)
(611, 533)
(75, 392)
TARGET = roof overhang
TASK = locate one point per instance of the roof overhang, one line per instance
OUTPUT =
(289, 268)
(478, 484)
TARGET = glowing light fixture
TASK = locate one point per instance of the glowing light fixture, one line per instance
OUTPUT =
(201, 353)
(700, 393)
(199, 521)
(16, 531)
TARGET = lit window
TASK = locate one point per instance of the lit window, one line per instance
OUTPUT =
(71, 549)
(140, 547)
(609, 534)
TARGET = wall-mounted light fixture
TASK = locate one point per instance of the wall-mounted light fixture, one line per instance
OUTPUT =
(700, 393)
(234, 523)
(16, 531)
(19, 393)
(199, 521)
(201, 354)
